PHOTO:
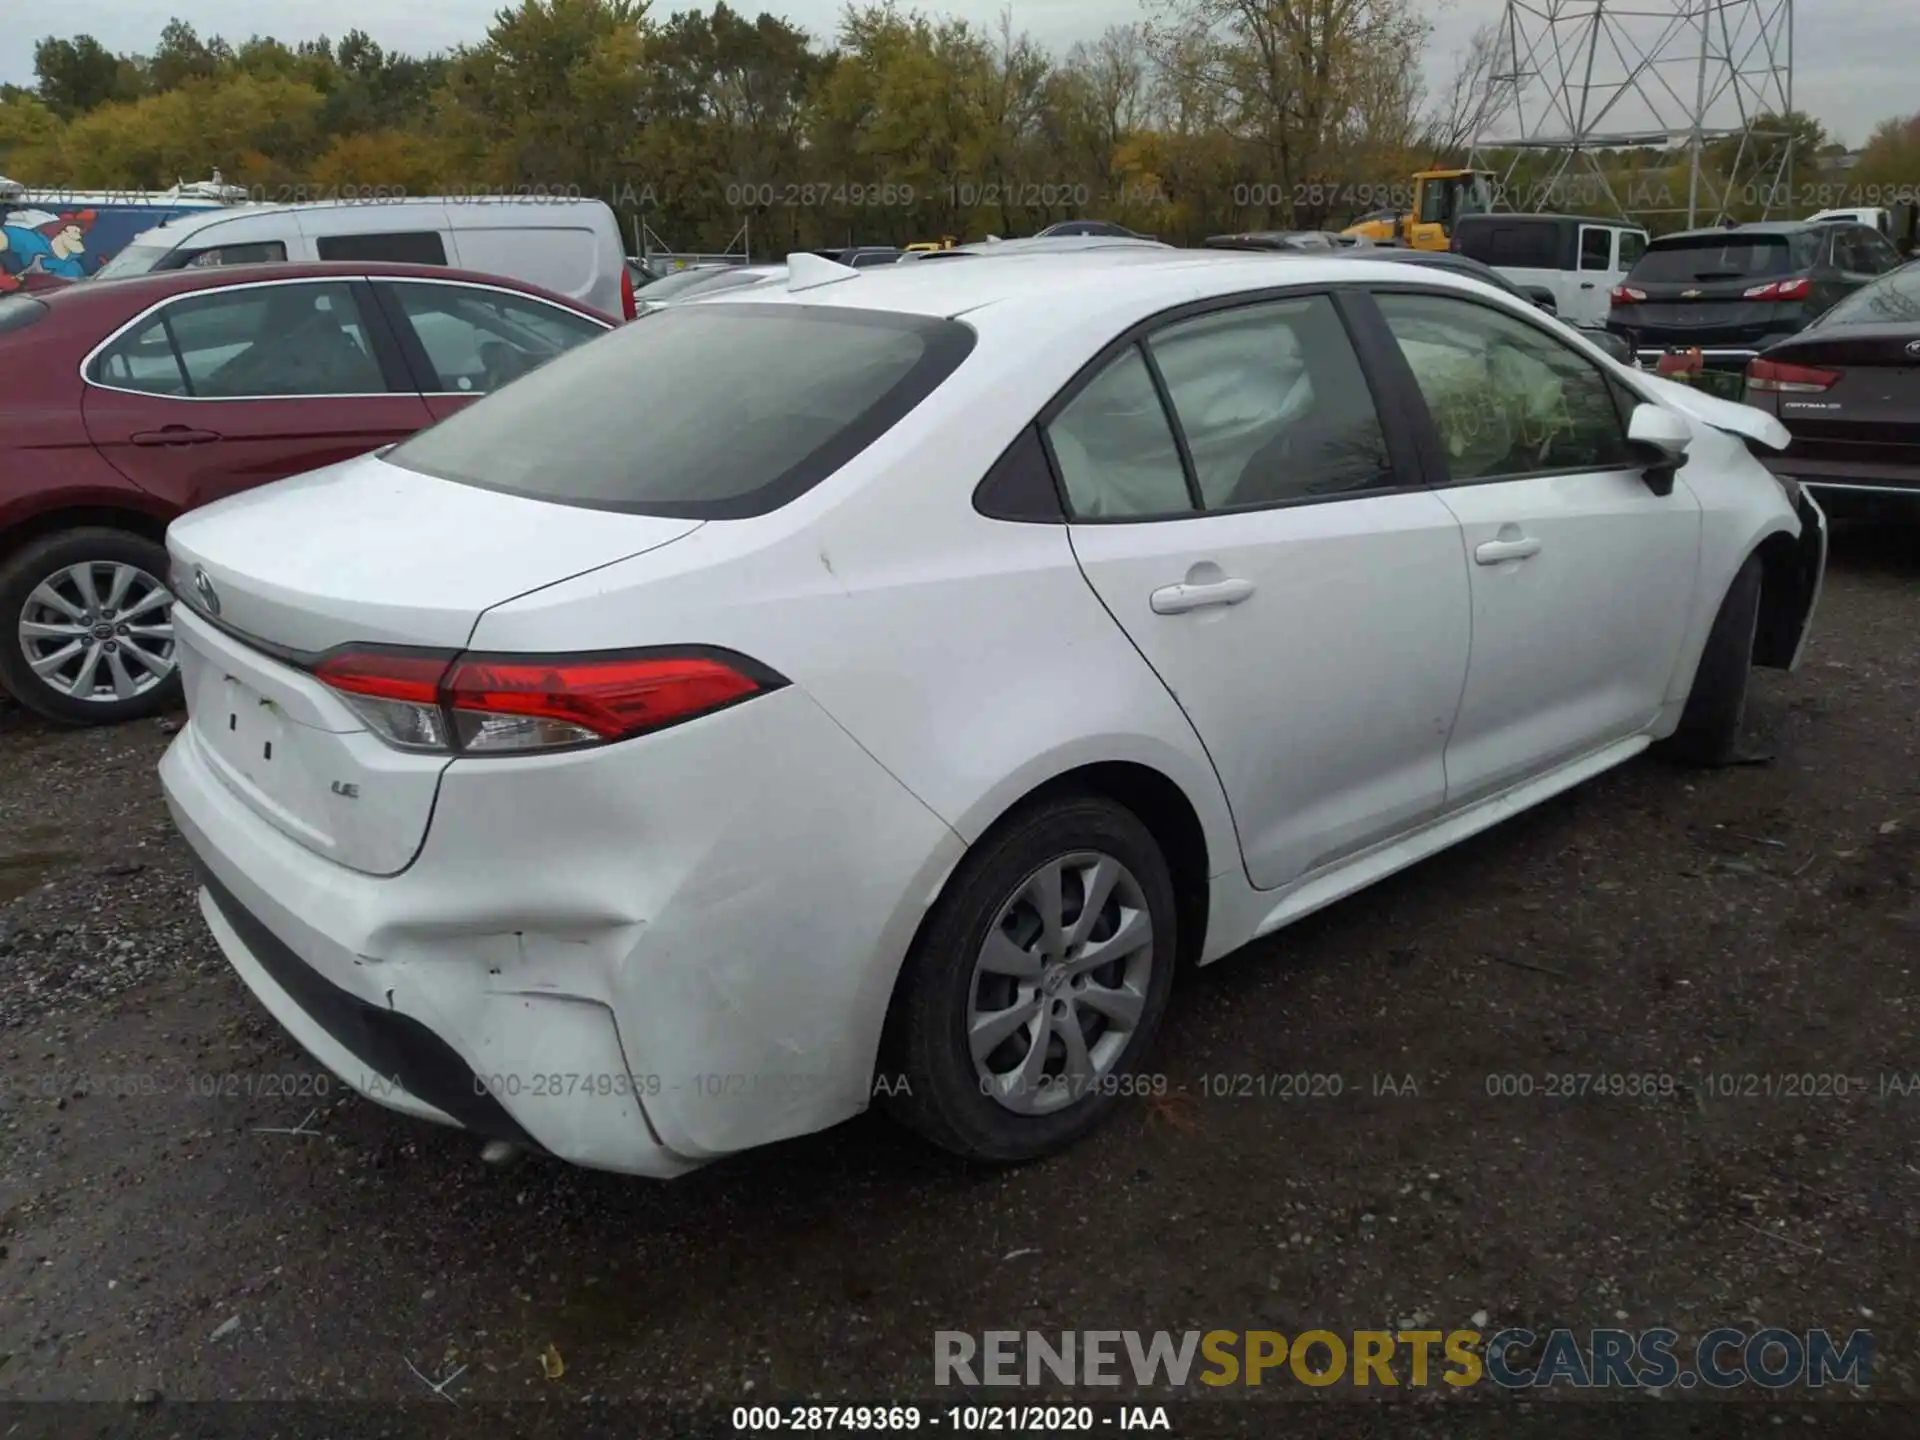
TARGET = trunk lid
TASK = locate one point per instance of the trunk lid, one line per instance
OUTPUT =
(367, 552)
(362, 553)
(1871, 414)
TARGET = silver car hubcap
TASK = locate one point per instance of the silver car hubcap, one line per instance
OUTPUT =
(99, 631)
(1060, 984)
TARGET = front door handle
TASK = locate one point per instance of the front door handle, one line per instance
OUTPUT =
(1586, 284)
(1178, 599)
(1492, 552)
(175, 435)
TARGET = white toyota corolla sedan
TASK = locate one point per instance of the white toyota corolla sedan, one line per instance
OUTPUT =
(883, 685)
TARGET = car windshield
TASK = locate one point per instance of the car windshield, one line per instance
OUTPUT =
(135, 259)
(1892, 299)
(1716, 257)
(748, 406)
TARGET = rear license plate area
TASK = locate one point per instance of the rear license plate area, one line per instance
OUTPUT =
(247, 729)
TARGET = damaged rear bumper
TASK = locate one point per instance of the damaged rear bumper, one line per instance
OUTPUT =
(636, 959)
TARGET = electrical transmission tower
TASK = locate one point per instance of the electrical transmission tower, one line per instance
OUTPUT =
(1572, 79)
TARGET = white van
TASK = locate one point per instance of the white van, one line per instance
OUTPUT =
(565, 245)
(1577, 257)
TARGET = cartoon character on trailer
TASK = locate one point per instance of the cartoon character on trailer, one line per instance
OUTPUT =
(38, 244)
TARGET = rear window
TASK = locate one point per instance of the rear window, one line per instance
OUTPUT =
(1893, 299)
(1732, 257)
(19, 311)
(406, 247)
(747, 407)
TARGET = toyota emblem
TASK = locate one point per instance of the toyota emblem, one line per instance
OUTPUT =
(203, 587)
(1913, 348)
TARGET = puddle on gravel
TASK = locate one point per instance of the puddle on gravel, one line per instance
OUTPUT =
(24, 872)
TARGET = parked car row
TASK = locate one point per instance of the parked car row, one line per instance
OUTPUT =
(243, 376)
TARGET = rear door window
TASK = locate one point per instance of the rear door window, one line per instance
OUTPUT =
(1115, 448)
(407, 247)
(253, 343)
(745, 407)
(1273, 404)
(1633, 244)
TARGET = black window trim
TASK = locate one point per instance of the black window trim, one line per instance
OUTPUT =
(438, 236)
(1438, 473)
(1385, 388)
(420, 371)
(386, 352)
(950, 343)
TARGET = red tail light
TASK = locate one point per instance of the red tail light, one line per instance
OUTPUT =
(505, 704)
(1796, 289)
(629, 302)
(1626, 295)
(1777, 375)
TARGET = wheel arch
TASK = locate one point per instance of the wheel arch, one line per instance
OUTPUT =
(24, 531)
(1160, 803)
(1148, 792)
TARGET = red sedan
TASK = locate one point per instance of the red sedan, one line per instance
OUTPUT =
(125, 402)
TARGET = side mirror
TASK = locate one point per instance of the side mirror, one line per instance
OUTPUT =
(1660, 439)
(1541, 296)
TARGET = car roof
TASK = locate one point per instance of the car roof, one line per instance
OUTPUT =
(1049, 244)
(456, 206)
(1751, 227)
(136, 292)
(1088, 284)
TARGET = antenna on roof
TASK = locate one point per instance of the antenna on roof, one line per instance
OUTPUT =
(805, 270)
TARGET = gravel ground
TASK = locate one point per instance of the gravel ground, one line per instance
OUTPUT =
(1762, 920)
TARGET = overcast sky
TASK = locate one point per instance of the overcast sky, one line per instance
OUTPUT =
(1854, 67)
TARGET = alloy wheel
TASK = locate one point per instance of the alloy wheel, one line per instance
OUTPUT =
(99, 631)
(1060, 984)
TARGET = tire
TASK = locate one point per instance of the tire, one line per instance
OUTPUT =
(1709, 731)
(42, 586)
(997, 1110)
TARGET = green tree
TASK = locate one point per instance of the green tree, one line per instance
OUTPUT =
(182, 56)
(79, 74)
(551, 96)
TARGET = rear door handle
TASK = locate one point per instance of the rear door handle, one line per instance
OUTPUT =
(1178, 599)
(175, 435)
(1492, 552)
(1586, 284)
